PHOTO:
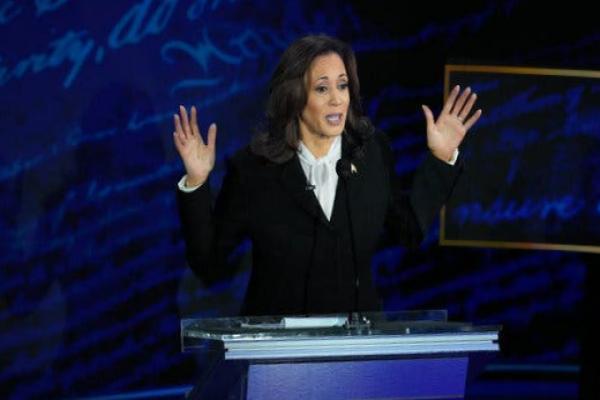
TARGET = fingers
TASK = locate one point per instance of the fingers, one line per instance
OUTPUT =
(471, 121)
(212, 136)
(458, 106)
(186, 128)
(466, 110)
(185, 122)
(450, 101)
(194, 125)
(178, 127)
(181, 125)
(462, 106)
(179, 143)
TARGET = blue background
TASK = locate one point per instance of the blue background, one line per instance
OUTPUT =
(93, 279)
(536, 177)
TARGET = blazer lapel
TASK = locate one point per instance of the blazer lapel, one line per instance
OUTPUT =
(295, 183)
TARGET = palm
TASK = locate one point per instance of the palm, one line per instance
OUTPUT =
(445, 134)
(198, 157)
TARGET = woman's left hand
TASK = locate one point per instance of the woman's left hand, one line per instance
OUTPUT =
(445, 134)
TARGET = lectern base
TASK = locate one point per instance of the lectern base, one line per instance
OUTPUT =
(416, 378)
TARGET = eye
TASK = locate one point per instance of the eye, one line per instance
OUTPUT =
(321, 89)
(343, 86)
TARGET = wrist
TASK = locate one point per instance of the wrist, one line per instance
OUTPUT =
(445, 157)
(193, 181)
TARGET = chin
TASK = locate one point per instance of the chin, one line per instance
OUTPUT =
(330, 134)
(332, 131)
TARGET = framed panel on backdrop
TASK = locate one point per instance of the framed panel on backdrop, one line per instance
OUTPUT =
(532, 172)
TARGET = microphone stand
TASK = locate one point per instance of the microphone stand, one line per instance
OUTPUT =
(355, 318)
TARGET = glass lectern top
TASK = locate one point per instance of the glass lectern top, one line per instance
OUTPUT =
(336, 325)
(336, 336)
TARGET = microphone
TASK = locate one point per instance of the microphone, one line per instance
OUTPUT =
(345, 170)
(309, 187)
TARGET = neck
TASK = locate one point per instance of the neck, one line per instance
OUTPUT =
(318, 145)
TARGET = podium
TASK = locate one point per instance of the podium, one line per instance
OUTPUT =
(400, 355)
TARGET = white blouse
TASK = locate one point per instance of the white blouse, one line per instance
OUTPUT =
(321, 173)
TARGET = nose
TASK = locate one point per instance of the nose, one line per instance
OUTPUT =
(336, 97)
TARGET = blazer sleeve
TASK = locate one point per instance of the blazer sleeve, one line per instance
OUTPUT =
(211, 233)
(410, 214)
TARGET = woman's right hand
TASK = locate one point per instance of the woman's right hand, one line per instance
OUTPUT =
(198, 157)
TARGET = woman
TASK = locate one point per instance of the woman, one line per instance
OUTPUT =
(312, 231)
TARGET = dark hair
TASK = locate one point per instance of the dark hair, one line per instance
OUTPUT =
(288, 96)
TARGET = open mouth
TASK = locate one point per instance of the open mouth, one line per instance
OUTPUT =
(334, 119)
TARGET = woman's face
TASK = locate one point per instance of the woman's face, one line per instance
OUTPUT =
(328, 97)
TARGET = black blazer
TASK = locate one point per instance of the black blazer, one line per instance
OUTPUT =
(303, 263)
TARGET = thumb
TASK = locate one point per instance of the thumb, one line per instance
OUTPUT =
(428, 116)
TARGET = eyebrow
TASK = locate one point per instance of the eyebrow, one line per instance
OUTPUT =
(324, 77)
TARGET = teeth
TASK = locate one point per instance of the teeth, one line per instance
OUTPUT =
(333, 118)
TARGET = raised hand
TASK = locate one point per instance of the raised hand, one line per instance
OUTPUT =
(198, 157)
(445, 134)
